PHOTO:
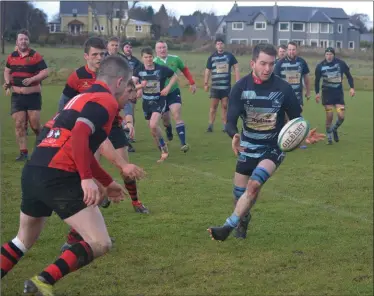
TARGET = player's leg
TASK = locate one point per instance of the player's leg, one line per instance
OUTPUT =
(18, 112)
(340, 110)
(166, 120)
(224, 104)
(175, 105)
(34, 118)
(329, 109)
(157, 135)
(214, 102)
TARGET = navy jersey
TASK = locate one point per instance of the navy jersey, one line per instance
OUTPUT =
(262, 108)
(293, 72)
(133, 62)
(332, 76)
(220, 64)
(155, 78)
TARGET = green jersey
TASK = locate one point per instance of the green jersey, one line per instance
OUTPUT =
(173, 62)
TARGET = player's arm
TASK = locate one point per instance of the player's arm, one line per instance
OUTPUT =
(186, 72)
(208, 70)
(173, 79)
(306, 77)
(317, 79)
(7, 78)
(107, 150)
(235, 65)
(234, 110)
(348, 74)
(41, 66)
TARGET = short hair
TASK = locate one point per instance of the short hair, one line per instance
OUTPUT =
(24, 32)
(147, 50)
(114, 66)
(219, 40)
(267, 48)
(114, 38)
(283, 46)
(161, 41)
(94, 42)
(292, 43)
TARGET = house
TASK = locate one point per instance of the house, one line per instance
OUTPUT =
(194, 22)
(78, 17)
(221, 28)
(367, 37)
(308, 26)
(205, 25)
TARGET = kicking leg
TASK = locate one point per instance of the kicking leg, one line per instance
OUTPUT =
(329, 117)
(181, 130)
(340, 109)
(212, 113)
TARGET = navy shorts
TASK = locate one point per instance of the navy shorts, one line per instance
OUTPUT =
(118, 137)
(245, 165)
(154, 106)
(26, 102)
(219, 93)
(173, 98)
(332, 98)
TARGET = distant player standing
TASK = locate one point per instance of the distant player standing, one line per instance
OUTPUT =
(282, 51)
(219, 65)
(173, 99)
(261, 100)
(331, 70)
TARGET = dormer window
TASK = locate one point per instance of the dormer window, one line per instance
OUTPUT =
(75, 12)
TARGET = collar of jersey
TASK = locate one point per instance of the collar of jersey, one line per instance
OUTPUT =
(103, 84)
(90, 71)
(26, 55)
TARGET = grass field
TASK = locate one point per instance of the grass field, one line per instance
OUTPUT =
(311, 233)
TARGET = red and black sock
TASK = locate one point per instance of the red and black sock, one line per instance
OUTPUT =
(131, 188)
(74, 237)
(10, 255)
(24, 151)
(77, 256)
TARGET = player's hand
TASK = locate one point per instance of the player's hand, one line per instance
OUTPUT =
(307, 96)
(131, 171)
(235, 144)
(27, 81)
(91, 192)
(206, 88)
(7, 87)
(139, 93)
(314, 137)
(193, 88)
(318, 98)
(165, 92)
(144, 83)
(352, 92)
(115, 192)
(131, 129)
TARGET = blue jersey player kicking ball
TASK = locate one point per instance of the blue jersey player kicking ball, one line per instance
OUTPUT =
(261, 99)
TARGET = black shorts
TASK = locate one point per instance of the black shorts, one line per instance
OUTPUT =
(299, 97)
(332, 99)
(46, 190)
(245, 165)
(173, 98)
(219, 93)
(118, 137)
(154, 106)
(22, 102)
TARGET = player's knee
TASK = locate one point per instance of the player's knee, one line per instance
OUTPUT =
(153, 126)
(259, 176)
(238, 192)
(101, 247)
(253, 188)
(329, 110)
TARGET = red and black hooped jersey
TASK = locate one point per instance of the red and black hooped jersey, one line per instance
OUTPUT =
(79, 81)
(97, 108)
(22, 67)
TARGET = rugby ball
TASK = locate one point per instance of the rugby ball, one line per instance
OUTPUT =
(293, 134)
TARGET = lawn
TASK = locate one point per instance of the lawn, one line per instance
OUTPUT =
(311, 233)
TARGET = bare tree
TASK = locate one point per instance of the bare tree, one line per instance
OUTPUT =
(126, 21)
(109, 16)
(94, 13)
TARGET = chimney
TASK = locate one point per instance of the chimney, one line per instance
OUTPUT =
(236, 7)
(275, 11)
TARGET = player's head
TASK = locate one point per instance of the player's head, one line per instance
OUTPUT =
(23, 40)
(112, 45)
(329, 54)
(115, 71)
(127, 48)
(147, 56)
(94, 51)
(220, 45)
(292, 50)
(161, 48)
(263, 60)
(282, 51)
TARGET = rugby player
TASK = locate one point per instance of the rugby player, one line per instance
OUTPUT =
(151, 78)
(219, 64)
(60, 178)
(266, 97)
(173, 99)
(282, 51)
(331, 70)
(24, 70)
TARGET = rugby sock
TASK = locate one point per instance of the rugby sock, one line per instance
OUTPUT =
(24, 151)
(181, 132)
(338, 123)
(161, 141)
(232, 221)
(74, 237)
(328, 133)
(131, 188)
(11, 253)
(169, 129)
(77, 256)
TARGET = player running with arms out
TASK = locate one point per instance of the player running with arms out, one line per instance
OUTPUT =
(331, 70)
(261, 100)
(152, 79)
(173, 99)
(60, 177)
(219, 64)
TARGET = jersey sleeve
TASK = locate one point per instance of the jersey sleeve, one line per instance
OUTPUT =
(317, 78)
(95, 115)
(40, 63)
(8, 61)
(291, 104)
(209, 63)
(181, 65)
(71, 86)
(233, 60)
(235, 109)
(305, 68)
(348, 74)
(168, 72)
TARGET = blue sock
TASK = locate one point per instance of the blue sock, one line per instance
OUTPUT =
(232, 221)
(161, 141)
(181, 133)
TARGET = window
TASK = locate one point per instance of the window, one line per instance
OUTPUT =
(138, 28)
(338, 44)
(299, 42)
(257, 41)
(102, 28)
(298, 27)
(313, 27)
(340, 28)
(122, 28)
(239, 41)
(351, 45)
(237, 26)
(284, 26)
(116, 28)
(260, 25)
(331, 28)
(323, 43)
(75, 12)
(96, 28)
(324, 28)
(52, 28)
(283, 41)
(313, 42)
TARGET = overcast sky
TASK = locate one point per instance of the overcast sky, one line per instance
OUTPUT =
(222, 8)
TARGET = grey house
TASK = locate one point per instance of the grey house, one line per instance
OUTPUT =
(308, 26)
